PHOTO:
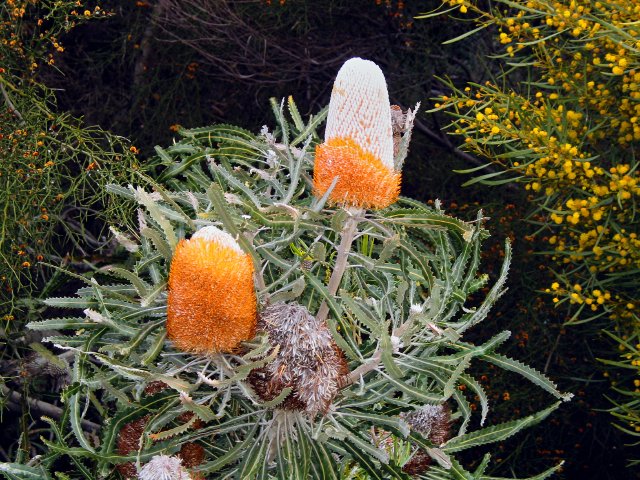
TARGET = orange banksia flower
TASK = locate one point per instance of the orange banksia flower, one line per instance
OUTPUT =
(212, 304)
(358, 146)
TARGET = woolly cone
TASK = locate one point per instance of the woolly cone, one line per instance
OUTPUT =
(358, 146)
(308, 360)
(433, 422)
(212, 302)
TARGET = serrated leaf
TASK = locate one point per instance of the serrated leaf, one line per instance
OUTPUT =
(172, 432)
(75, 416)
(62, 323)
(309, 130)
(325, 466)
(361, 314)
(386, 355)
(253, 458)
(416, 393)
(295, 114)
(496, 433)
(17, 471)
(540, 476)
(232, 455)
(69, 302)
(152, 207)
(141, 286)
(422, 218)
(527, 372)
(496, 291)
(455, 376)
(158, 241)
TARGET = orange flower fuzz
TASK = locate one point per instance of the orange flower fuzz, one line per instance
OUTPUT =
(364, 181)
(212, 304)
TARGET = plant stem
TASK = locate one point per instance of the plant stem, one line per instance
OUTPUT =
(346, 239)
(373, 361)
(10, 104)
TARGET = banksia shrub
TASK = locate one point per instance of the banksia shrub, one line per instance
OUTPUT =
(361, 326)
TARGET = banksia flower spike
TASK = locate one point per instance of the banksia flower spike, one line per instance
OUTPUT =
(211, 305)
(358, 146)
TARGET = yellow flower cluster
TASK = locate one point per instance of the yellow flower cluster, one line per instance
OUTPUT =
(570, 136)
(556, 138)
(29, 33)
(586, 50)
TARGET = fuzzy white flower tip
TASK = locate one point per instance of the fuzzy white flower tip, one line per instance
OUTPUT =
(416, 308)
(164, 467)
(214, 234)
(359, 109)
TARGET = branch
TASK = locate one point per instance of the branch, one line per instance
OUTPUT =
(47, 409)
(444, 141)
(10, 104)
(372, 363)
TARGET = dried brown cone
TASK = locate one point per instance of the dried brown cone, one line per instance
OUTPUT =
(130, 434)
(308, 361)
(154, 387)
(432, 422)
(192, 455)
(128, 442)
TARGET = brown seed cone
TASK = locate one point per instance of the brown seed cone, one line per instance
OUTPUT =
(308, 360)
(418, 464)
(185, 417)
(155, 387)
(434, 423)
(192, 455)
(128, 442)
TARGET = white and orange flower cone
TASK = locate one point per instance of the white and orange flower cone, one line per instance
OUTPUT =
(358, 146)
(212, 304)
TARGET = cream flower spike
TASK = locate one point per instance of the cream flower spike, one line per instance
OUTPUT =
(360, 109)
(358, 146)
(214, 234)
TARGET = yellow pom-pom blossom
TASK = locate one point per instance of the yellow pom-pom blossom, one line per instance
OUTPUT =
(358, 146)
(211, 305)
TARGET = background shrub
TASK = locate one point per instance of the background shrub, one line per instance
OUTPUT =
(563, 120)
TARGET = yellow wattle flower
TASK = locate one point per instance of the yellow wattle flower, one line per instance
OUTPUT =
(211, 306)
(358, 146)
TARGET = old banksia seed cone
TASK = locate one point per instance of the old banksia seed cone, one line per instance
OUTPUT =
(308, 361)
(432, 422)
(212, 302)
(358, 146)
